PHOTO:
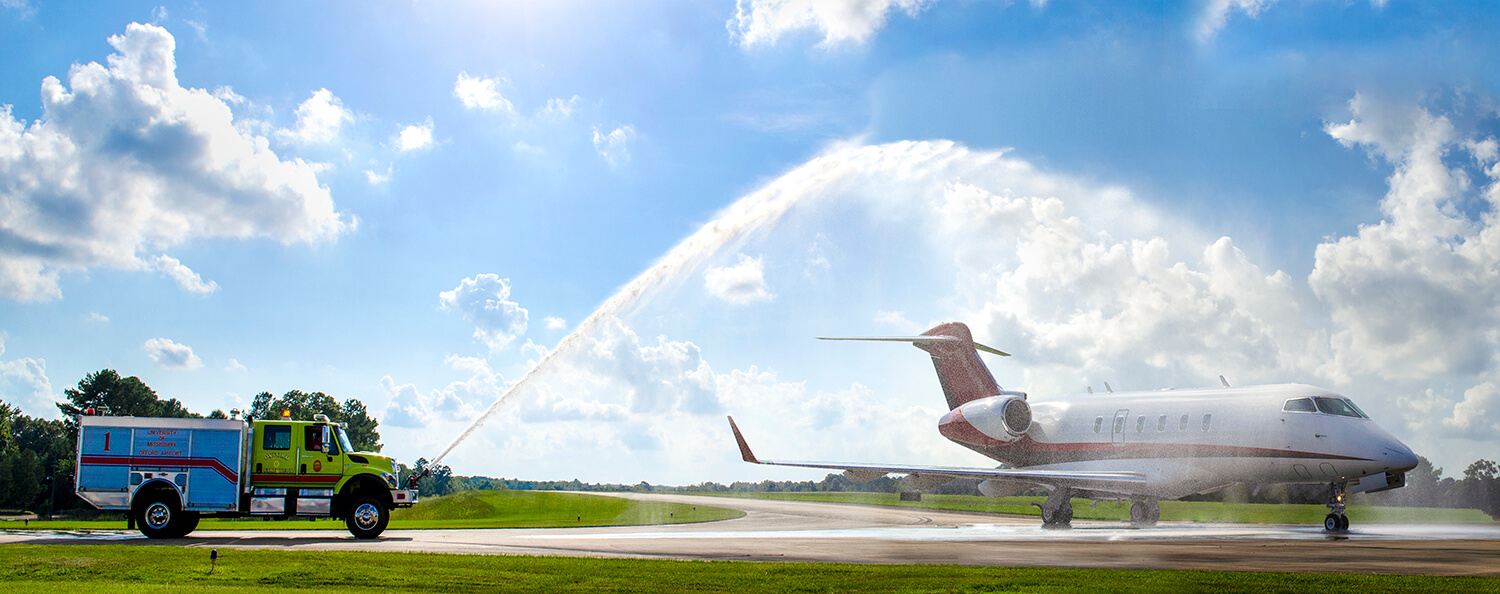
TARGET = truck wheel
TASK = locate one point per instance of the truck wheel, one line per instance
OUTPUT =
(367, 518)
(187, 521)
(160, 516)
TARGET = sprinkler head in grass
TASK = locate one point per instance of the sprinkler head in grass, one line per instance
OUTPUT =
(213, 560)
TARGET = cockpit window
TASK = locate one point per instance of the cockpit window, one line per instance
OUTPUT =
(1338, 406)
(1299, 405)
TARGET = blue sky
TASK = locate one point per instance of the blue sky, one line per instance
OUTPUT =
(412, 203)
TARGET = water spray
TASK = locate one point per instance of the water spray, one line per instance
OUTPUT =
(749, 214)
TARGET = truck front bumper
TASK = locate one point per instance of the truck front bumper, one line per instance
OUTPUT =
(404, 497)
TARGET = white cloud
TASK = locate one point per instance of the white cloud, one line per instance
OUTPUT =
(897, 321)
(24, 384)
(408, 407)
(184, 276)
(234, 365)
(24, 9)
(98, 317)
(554, 323)
(522, 147)
(560, 108)
(741, 284)
(614, 147)
(127, 161)
(485, 300)
(415, 137)
(376, 178)
(757, 22)
(1414, 295)
(170, 355)
(319, 119)
(1215, 14)
(481, 93)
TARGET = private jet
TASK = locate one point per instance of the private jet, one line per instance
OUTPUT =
(1139, 446)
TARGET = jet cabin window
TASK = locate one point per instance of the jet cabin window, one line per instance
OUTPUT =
(1339, 406)
(1161, 423)
(1098, 424)
(1299, 405)
(1207, 419)
(1140, 423)
(1182, 426)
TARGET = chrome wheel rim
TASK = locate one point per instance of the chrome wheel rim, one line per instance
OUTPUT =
(366, 516)
(158, 515)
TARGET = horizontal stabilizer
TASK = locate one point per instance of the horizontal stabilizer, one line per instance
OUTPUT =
(921, 340)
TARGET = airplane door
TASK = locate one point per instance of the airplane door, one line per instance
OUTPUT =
(1117, 430)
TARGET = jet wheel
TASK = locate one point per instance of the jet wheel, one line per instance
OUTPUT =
(1336, 523)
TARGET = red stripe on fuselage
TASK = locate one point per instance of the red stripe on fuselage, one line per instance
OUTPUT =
(1030, 452)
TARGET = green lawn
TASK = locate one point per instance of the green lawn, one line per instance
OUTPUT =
(471, 509)
(1197, 511)
(121, 568)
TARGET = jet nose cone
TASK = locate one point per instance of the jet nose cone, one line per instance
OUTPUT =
(1400, 457)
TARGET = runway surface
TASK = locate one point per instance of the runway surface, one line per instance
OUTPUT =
(806, 531)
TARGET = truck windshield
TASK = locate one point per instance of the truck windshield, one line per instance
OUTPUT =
(343, 438)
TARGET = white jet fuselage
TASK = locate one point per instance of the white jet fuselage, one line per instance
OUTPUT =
(1188, 441)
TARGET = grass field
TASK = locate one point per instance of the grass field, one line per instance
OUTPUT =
(116, 568)
(1197, 511)
(470, 509)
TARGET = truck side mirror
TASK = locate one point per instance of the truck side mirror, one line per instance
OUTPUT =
(324, 443)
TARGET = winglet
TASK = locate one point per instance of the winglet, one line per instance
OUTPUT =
(744, 447)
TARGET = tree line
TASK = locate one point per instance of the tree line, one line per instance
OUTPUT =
(37, 455)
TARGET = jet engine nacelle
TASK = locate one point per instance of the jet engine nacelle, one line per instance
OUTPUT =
(1005, 417)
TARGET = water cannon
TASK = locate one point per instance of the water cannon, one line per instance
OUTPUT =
(411, 481)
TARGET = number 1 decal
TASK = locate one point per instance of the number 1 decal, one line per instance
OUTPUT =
(106, 441)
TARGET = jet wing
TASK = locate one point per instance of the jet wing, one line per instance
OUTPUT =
(1102, 480)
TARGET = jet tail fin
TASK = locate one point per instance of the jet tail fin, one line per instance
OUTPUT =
(955, 356)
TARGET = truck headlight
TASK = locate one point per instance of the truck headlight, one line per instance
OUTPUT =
(390, 480)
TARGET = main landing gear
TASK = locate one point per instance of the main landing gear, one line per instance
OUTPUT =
(1336, 521)
(1057, 510)
(1144, 513)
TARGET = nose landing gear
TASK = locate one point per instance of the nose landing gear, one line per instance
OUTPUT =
(1336, 521)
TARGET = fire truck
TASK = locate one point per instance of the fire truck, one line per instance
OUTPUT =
(167, 473)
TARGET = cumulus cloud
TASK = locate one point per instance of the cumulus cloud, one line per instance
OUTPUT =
(184, 276)
(128, 161)
(24, 383)
(485, 300)
(98, 317)
(479, 92)
(234, 365)
(1215, 14)
(741, 284)
(1415, 295)
(376, 178)
(408, 407)
(558, 107)
(897, 321)
(170, 355)
(319, 119)
(414, 137)
(758, 22)
(614, 146)
(555, 323)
